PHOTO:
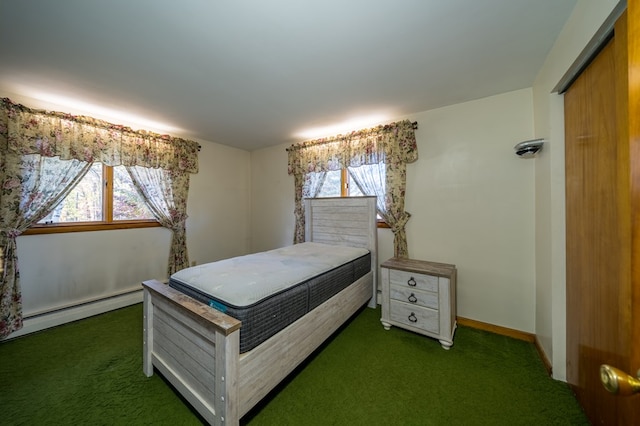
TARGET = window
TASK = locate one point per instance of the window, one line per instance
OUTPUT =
(336, 184)
(341, 183)
(105, 198)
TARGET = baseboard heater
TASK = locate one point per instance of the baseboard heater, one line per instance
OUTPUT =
(43, 320)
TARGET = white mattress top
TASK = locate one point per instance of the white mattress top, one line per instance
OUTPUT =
(245, 280)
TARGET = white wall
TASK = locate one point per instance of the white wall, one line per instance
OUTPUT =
(58, 270)
(550, 329)
(272, 220)
(472, 204)
(219, 205)
(470, 197)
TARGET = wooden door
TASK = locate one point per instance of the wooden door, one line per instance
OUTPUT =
(602, 162)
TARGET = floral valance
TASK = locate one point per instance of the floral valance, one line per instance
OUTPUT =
(395, 141)
(29, 131)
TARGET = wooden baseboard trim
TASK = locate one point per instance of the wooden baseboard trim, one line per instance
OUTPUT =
(543, 357)
(510, 332)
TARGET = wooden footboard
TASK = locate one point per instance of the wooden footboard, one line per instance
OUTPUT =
(196, 348)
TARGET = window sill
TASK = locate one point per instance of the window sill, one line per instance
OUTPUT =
(383, 224)
(88, 227)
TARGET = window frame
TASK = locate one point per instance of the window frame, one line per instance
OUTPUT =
(344, 192)
(106, 224)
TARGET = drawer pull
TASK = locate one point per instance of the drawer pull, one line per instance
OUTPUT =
(411, 282)
(413, 317)
(413, 298)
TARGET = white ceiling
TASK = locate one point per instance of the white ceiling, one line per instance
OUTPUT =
(252, 73)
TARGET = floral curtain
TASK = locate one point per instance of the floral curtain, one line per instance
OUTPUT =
(313, 184)
(54, 134)
(28, 136)
(31, 187)
(392, 144)
(371, 181)
(166, 193)
(309, 188)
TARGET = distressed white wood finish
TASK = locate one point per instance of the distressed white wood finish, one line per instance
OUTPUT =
(197, 348)
(421, 297)
(194, 347)
(345, 221)
(262, 368)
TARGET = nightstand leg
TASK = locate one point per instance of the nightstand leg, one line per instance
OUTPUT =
(386, 325)
(445, 344)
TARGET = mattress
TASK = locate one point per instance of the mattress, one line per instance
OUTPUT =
(267, 291)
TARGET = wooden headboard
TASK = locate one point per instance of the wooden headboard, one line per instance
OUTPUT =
(347, 221)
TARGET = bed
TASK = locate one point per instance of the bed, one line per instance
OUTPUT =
(197, 347)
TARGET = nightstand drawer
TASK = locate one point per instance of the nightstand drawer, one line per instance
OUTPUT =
(415, 316)
(414, 296)
(413, 280)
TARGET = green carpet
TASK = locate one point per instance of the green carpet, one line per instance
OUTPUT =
(90, 373)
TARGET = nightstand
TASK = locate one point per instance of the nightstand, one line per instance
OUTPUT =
(420, 296)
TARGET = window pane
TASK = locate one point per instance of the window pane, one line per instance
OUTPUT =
(84, 202)
(127, 203)
(332, 184)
